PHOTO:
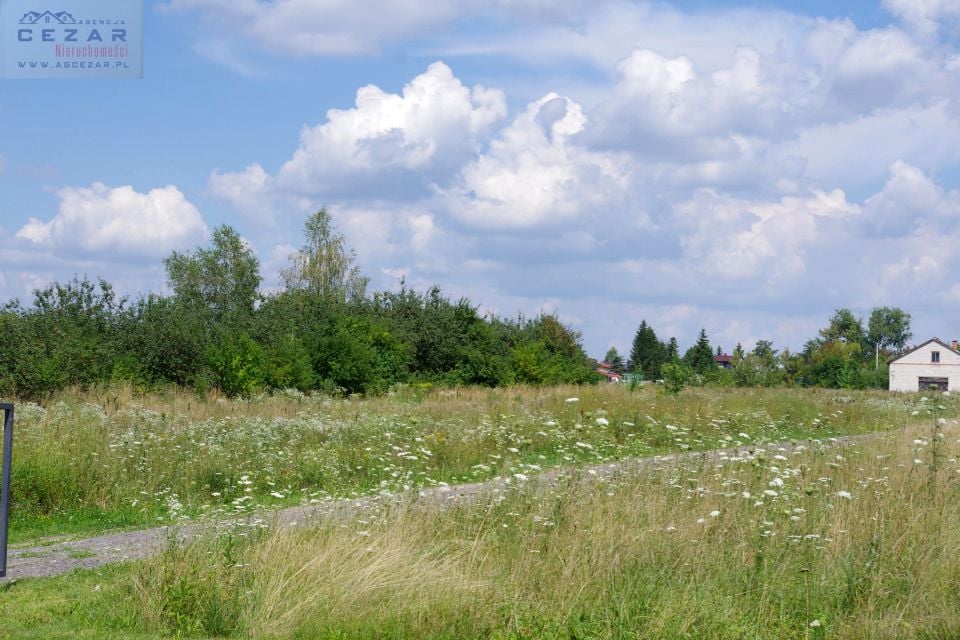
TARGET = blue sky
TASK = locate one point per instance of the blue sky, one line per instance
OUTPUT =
(746, 167)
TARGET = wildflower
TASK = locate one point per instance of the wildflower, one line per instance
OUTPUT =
(771, 493)
(603, 422)
(815, 623)
(846, 495)
(521, 477)
(776, 482)
(714, 514)
(746, 494)
(572, 400)
(276, 494)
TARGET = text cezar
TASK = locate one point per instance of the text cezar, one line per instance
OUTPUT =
(70, 35)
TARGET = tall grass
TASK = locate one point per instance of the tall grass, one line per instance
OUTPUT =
(110, 457)
(826, 540)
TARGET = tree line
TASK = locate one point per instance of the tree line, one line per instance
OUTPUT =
(845, 354)
(322, 331)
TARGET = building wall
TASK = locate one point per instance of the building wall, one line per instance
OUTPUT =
(906, 372)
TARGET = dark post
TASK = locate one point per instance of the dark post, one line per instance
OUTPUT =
(5, 488)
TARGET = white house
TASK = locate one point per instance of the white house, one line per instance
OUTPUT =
(932, 365)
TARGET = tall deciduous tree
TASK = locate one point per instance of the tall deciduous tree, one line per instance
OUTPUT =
(845, 327)
(888, 328)
(222, 280)
(324, 266)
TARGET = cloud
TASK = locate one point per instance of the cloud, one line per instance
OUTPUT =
(392, 145)
(309, 27)
(328, 27)
(925, 16)
(535, 174)
(387, 137)
(733, 239)
(910, 203)
(662, 107)
(249, 191)
(118, 221)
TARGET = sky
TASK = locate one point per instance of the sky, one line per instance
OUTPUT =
(745, 167)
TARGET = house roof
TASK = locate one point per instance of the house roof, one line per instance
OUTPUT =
(724, 359)
(921, 346)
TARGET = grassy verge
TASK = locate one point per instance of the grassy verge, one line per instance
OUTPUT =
(113, 459)
(825, 541)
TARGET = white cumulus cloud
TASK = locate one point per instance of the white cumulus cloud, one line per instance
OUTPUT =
(121, 221)
(390, 145)
(926, 16)
(535, 173)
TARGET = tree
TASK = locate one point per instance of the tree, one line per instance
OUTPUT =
(615, 360)
(220, 282)
(647, 354)
(738, 354)
(888, 328)
(324, 266)
(672, 350)
(700, 356)
(765, 351)
(844, 326)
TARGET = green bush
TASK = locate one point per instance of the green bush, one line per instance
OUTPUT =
(237, 363)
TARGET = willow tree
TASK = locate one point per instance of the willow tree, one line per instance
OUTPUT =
(324, 266)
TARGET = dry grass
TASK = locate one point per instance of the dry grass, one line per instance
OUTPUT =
(91, 460)
(828, 540)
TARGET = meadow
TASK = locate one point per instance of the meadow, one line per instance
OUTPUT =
(821, 538)
(111, 458)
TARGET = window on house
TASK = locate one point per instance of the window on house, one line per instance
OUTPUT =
(934, 356)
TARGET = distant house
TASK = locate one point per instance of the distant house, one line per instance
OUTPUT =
(934, 365)
(604, 369)
(724, 361)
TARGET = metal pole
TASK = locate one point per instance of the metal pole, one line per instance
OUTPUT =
(5, 489)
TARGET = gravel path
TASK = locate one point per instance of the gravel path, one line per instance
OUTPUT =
(57, 558)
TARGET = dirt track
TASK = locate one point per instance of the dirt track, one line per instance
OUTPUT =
(57, 558)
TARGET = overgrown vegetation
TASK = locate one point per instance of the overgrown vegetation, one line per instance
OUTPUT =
(844, 355)
(323, 331)
(820, 540)
(117, 459)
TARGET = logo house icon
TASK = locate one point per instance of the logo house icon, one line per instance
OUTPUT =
(47, 17)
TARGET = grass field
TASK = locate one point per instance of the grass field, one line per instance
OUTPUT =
(111, 459)
(823, 540)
